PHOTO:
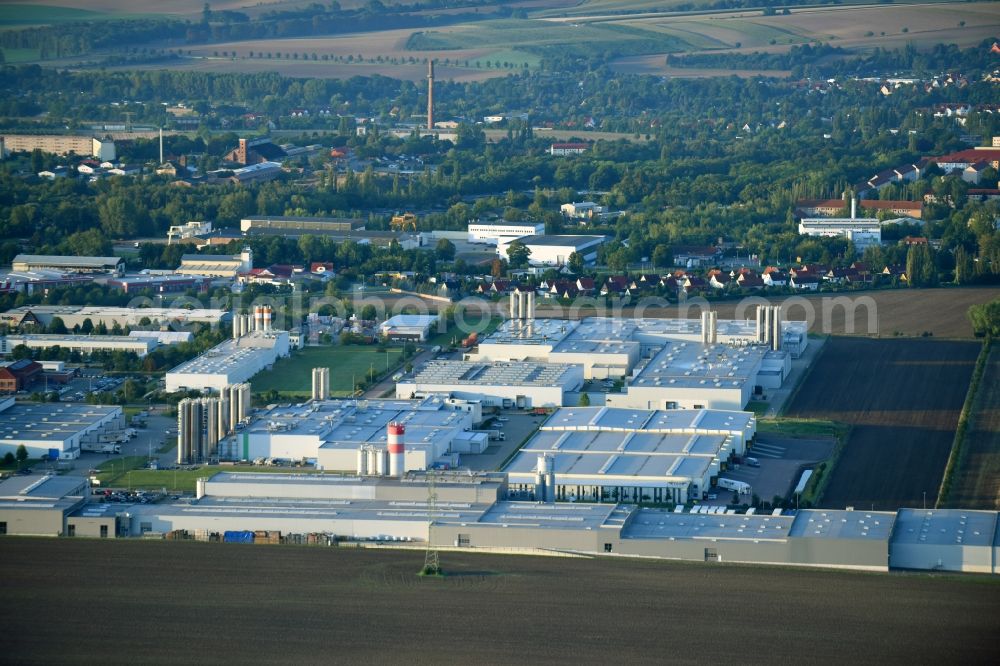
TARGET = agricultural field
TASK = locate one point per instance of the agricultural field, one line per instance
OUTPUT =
(976, 482)
(941, 313)
(902, 398)
(302, 604)
(293, 375)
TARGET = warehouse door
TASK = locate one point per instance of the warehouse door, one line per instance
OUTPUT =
(712, 555)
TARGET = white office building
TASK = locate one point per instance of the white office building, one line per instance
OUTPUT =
(554, 250)
(84, 344)
(496, 233)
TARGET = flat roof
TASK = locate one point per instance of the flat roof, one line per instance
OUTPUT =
(561, 241)
(57, 422)
(945, 527)
(644, 420)
(65, 260)
(40, 487)
(664, 524)
(499, 373)
(231, 354)
(195, 314)
(828, 524)
(561, 515)
(534, 332)
(410, 321)
(696, 365)
(330, 509)
(70, 339)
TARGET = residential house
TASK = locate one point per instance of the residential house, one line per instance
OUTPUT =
(750, 281)
(718, 280)
(773, 277)
(691, 256)
(805, 281)
(585, 285)
(894, 272)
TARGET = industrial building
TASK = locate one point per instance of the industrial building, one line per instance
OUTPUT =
(216, 265)
(160, 284)
(54, 430)
(862, 231)
(408, 327)
(298, 226)
(332, 432)
(17, 375)
(606, 454)
(69, 264)
(164, 337)
(77, 315)
(501, 232)
(499, 384)
(473, 511)
(58, 144)
(232, 361)
(554, 250)
(667, 363)
(84, 344)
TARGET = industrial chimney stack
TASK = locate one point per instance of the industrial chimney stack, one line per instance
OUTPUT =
(430, 94)
(397, 450)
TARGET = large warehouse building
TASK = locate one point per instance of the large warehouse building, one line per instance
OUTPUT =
(332, 432)
(604, 454)
(78, 315)
(502, 384)
(298, 226)
(554, 250)
(55, 430)
(691, 364)
(232, 361)
(85, 344)
(502, 232)
(58, 144)
(471, 511)
(69, 264)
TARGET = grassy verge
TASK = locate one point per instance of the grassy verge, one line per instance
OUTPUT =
(292, 376)
(181, 480)
(758, 407)
(822, 474)
(111, 471)
(957, 446)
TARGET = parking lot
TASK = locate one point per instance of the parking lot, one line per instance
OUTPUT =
(782, 460)
(517, 428)
(147, 442)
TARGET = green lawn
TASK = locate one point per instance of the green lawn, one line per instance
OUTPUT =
(453, 335)
(293, 375)
(802, 427)
(137, 477)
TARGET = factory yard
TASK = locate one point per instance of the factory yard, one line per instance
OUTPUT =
(317, 604)
(902, 398)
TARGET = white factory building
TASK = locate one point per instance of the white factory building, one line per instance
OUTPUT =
(216, 265)
(605, 454)
(503, 232)
(69, 264)
(230, 362)
(862, 231)
(408, 327)
(55, 430)
(77, 315)
(85, 344)
(554, 250)
(333, 433)
(501, 384)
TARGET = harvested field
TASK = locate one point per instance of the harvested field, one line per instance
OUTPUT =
(176, 602)
(903, 399)
(906, 312)
(977, 479)
(323, 70)
(656, 65)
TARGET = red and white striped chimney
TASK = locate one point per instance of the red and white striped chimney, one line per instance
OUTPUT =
(397, 450)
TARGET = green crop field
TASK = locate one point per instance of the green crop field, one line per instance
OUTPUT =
(293, 375)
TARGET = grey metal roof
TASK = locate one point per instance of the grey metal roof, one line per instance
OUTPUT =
(470, 373)
(829, 524)
(551, 516)
(560, 241)
(663, 524)
(41, 487)
(56, 422)
(945, 527)
(61, 260)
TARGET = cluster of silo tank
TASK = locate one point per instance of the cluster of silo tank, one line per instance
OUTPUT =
(709, 327)
(522, 305)
(387, 461)
(545, 478)
(260, 318)
(769, 326)
(203, 422)
(321, 384)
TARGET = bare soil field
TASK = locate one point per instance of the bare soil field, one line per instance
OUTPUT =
(977, 479)
(886, 312)
(92, 601)
(902, 398)
(656, 65)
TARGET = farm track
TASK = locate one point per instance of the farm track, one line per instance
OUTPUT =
(176, 602)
